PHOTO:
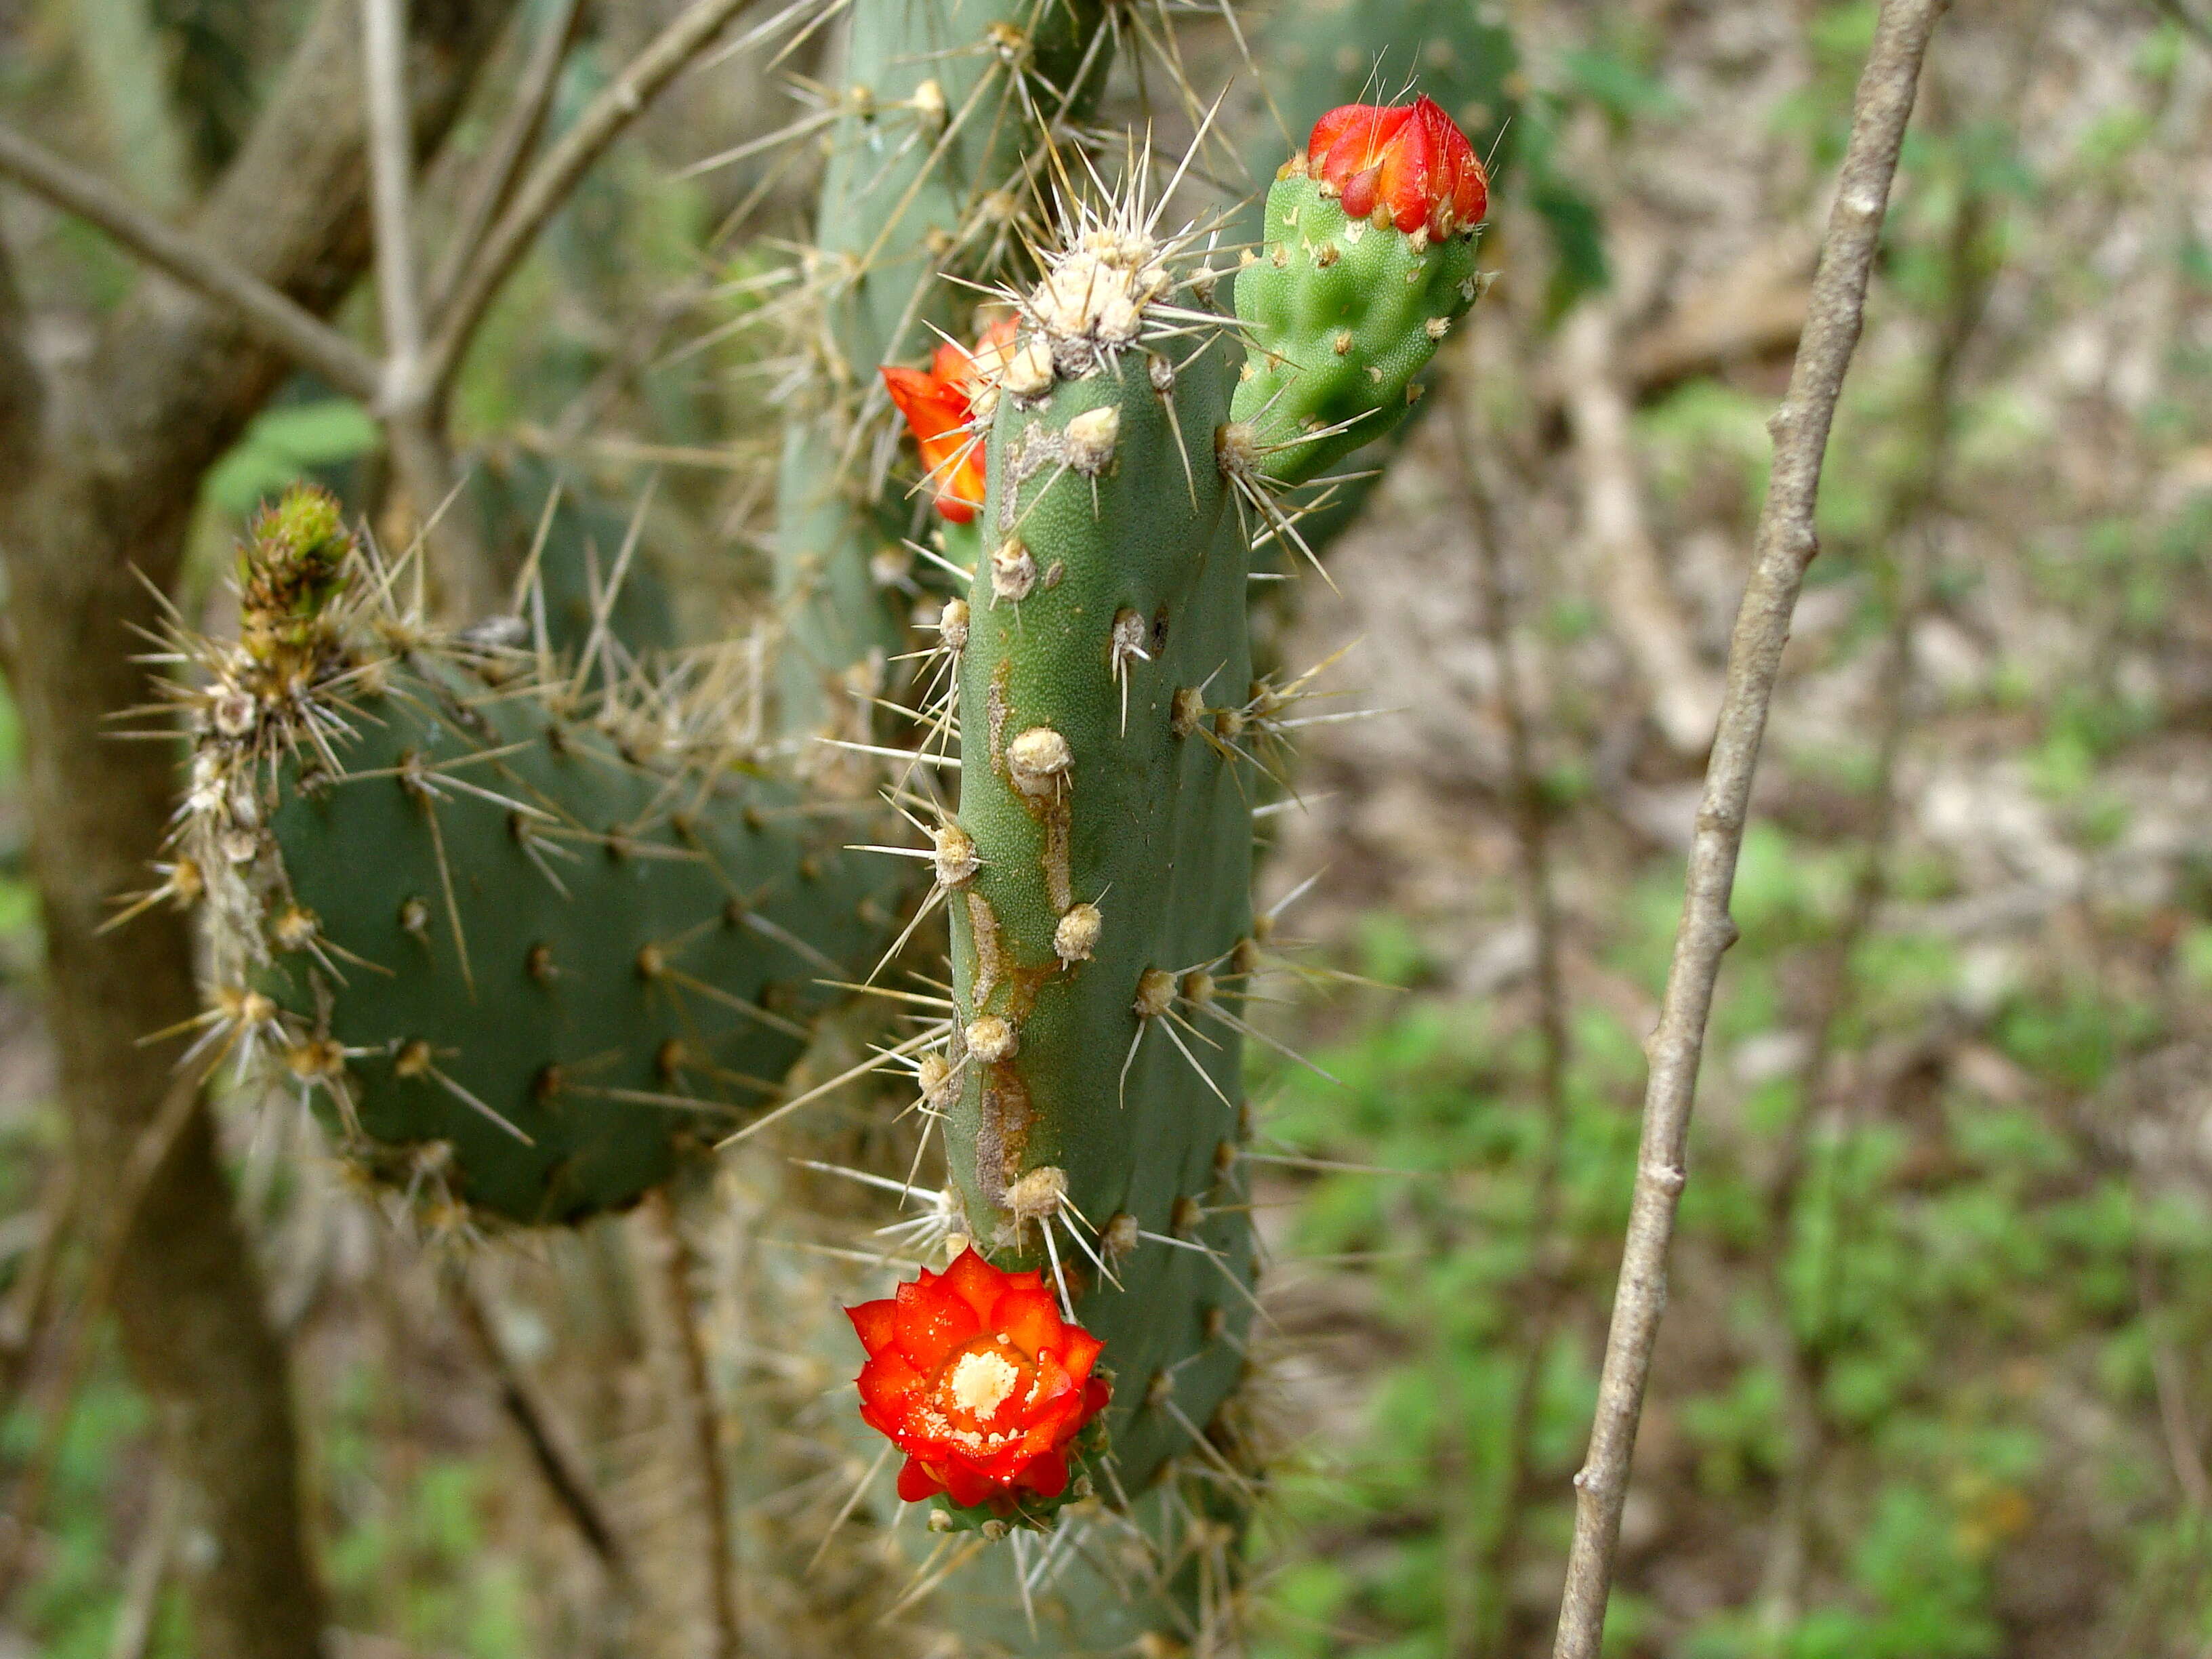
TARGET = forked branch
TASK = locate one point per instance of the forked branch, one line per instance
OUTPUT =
(1782, 549)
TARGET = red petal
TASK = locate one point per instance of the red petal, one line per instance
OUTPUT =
(889, 1386)
(931, 408)
(1078, 1349)
(1030, 1317)
(874, 1322)
(1052, 1381)
(948, 367)
(932, 1323)
(968, 1487)
(916, 1483)
(1406, 172)
(1046, 1476)
(975, 1282)
(1359, 142)
(1097, 1394)
(955, 510)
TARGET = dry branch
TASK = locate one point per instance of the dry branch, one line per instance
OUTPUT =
(549, 182)
(281, 323)
(1782, 549)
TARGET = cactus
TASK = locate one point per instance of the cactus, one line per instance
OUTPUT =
(521, 943)
(933, 171)
(1097, 868)
(527, 922)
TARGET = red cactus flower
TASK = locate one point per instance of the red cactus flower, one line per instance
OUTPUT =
(1408, 158)
(939, 403)
(975, 1376)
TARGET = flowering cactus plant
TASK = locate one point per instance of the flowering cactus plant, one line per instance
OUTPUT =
(594, 928)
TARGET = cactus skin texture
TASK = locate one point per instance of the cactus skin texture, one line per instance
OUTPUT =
(521, 947)
(1151, 828)
(931, 167)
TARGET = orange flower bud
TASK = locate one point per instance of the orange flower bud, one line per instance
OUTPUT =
(940, 405)
(975, 1375)
(1407, 158)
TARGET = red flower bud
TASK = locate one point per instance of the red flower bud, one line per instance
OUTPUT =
(975, 1375)
(939, 403)
(1406, 158)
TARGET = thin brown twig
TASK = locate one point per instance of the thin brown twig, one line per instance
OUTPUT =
(1539, 1291)
(549, 182)
(281, 322)
(422, 464)
(1783, 548)
(494, 183)
(691, 1395)
(565, 1479)
(391, 185)
(28, 1499)
(23, 1314)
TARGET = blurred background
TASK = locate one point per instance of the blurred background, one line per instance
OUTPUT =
(1935, 1381)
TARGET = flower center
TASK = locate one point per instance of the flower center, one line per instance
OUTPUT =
(980, 1381)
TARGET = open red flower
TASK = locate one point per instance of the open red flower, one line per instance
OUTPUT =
(1408, 158)
(973, 1375)
(939, 403)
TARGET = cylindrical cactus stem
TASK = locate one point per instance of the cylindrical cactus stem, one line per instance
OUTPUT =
(1368, 261)
(933, 173)
(1093, 1136)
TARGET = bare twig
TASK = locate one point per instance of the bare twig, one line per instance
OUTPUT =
(422, 465)
(555, 174)
(494, 183)
(291, 328)
(391, 185)
(2171, 1381)
(684, 1360)
(23, 1312)
(146, 1154)
(1784, 547)
(570, 1485)
(132, 1634)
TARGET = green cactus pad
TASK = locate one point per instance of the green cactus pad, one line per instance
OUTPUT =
(931, 171)
(521, 943)
(575, 972)
(1341, 317)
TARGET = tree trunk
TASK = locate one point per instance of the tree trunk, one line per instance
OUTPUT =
(101, 465)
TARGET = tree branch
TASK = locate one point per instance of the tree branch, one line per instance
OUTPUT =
(488, 191)
(664, 1259)
(291, 328)
(391, 184)
(422, 464)
(1784, 547)
(549, 182)
(565, 1478)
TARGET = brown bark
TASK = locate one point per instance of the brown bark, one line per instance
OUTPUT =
(100, 468)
